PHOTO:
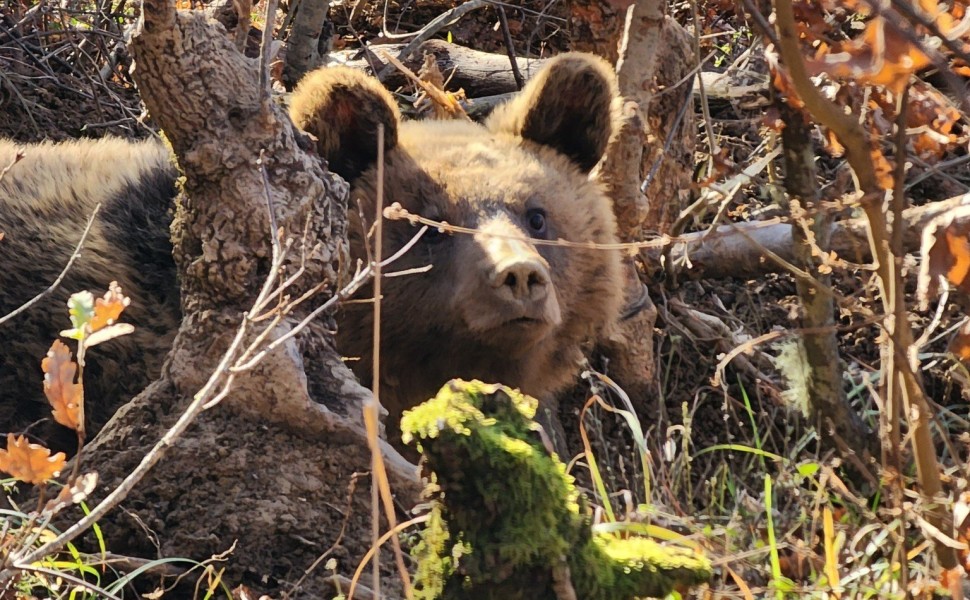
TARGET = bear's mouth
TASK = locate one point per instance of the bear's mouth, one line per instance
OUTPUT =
(526, 321)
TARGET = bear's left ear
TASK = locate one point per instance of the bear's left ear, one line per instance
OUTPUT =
(342, 108)
(570, 105)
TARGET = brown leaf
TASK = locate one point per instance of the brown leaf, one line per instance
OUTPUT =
(960, 343)
(72, 494)
(64, 395)
(30, 463)
(880, 56)
(108, 308)
(945, 254)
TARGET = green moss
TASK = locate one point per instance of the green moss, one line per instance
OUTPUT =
(516, 511)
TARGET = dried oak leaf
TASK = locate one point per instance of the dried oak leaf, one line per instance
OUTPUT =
(72, 494)
(30, 463)
(64, 395)
(945, 252)
(108, 308)
(960, 343)
(880, 56)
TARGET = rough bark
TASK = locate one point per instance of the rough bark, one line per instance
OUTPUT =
(269, 468)
(662, 57)
(307, 35)
(629, 346)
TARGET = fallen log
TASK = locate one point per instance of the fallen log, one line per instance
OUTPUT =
(483, 74)
(478, 73)
(742, 250)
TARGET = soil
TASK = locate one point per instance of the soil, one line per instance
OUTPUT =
(329, 478)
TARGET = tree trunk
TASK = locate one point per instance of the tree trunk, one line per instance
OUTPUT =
(272, 467)
(839, 427)
(308, 34)
(665, 57)
(649, 59)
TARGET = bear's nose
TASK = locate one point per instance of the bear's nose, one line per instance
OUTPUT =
(525, 277)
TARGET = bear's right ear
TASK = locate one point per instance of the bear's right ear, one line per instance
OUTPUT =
(342, 108)
(571, 106)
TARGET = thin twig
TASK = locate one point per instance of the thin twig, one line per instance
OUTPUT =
(396, 212)
(74, 256)
(705, 109)
(265, 50)
(438, 23)
(381, 487)
(371, 410)
(509, 47)
(271, 211)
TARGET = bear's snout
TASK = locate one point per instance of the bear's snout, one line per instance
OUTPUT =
(516, 290)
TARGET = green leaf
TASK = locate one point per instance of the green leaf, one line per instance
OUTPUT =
(81, 308)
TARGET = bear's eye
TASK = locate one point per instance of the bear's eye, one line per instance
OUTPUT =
(535, 218)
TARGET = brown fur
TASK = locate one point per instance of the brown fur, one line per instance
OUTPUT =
(494, 307)
(46, 200)
(534, 153)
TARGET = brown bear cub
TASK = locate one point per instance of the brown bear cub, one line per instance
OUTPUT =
(499, 305)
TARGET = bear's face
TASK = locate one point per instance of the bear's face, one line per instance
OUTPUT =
(497, 304)
(500, 287)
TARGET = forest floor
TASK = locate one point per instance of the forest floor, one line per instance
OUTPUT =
(733, 465)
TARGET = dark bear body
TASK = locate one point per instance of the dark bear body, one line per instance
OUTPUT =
(45, 201)
(497, 305)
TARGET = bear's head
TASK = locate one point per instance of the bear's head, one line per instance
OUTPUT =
(497, 304)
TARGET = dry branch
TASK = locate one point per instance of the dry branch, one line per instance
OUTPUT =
(478, 73)
(901, 389)
(741, 250)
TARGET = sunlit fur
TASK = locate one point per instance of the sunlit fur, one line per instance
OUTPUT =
(45, 200)
(445, 322)
(534, 153)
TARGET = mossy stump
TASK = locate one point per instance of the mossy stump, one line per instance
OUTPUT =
(507, 521)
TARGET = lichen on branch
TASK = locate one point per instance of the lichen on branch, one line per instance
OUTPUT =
(507, 520)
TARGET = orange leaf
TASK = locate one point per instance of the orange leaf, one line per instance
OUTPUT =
(945, 252)
(959, 248)
(72, 494)
(30, 463)
(832, 144)
(108, 308)
(59, 387)
(884, 170)
(880, 56)
(960, 343)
